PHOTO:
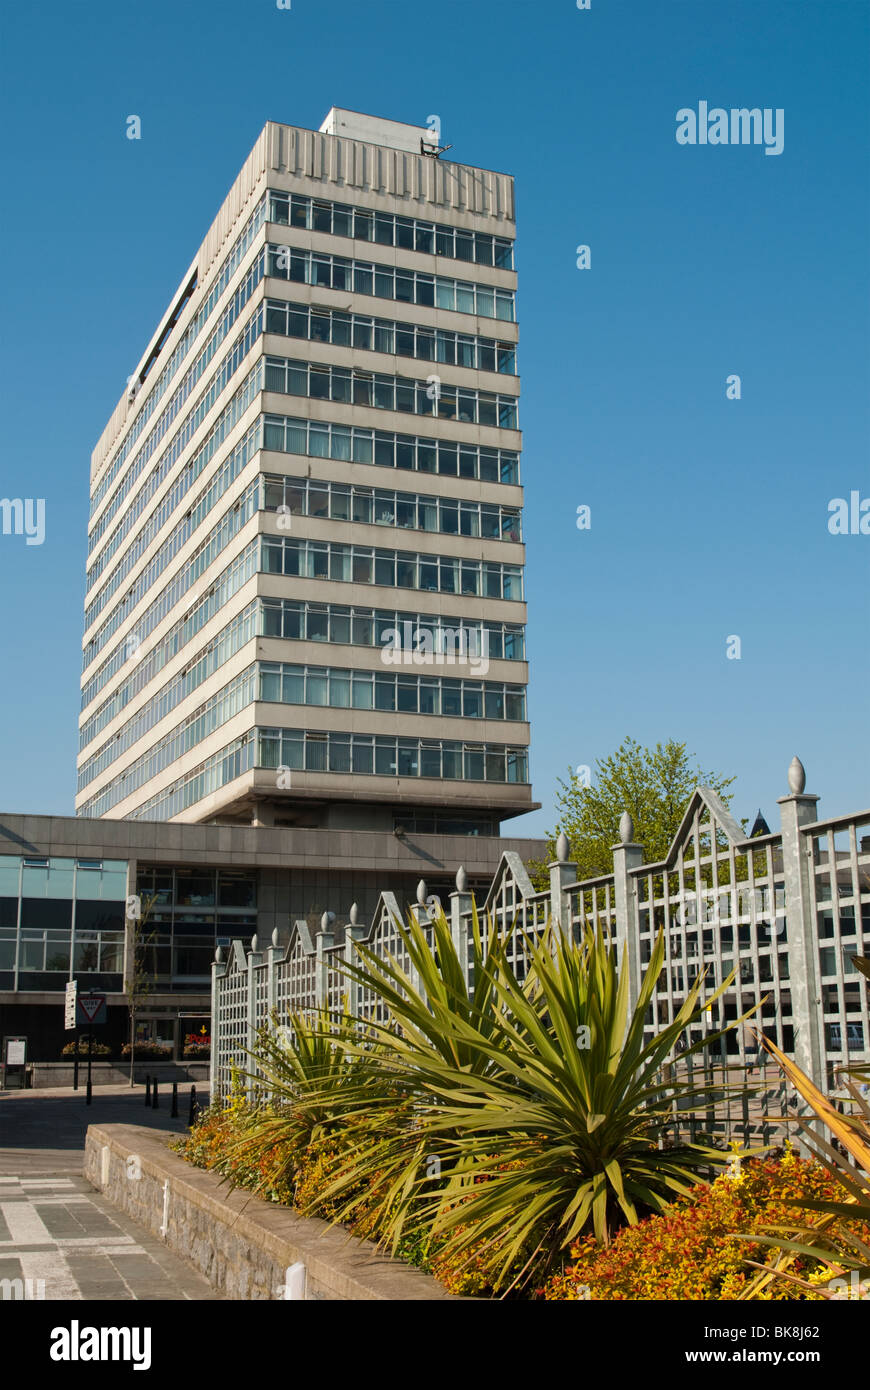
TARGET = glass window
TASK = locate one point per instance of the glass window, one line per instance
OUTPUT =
(339, 689)
(472, 700)
(494, 703)
(362, 506)
(385, 757)
(408, 757)
(384, 284)
(270, 683)
(363, 690)
(315, 752)
(405, 233)
(341, 330)
(430, 760)
(293, 685)
(363, 225)
(495, 769)
(424, 238)
(445, 294)
(362, 279)
(362, 752)
(317, 627)
(340, 626)
(406, 694)
(474, 768)
(384, 228)
(385, 692)
(362, 334)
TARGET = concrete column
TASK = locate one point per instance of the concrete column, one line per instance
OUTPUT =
(796, 810)
(626, 856)
(253, 961)
(563, 873)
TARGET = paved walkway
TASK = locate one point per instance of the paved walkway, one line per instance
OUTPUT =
(59, 1238)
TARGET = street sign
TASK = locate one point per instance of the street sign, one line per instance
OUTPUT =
(69, 1007)
(90, 1010)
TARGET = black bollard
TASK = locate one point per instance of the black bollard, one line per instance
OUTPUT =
(147, 1089)
(154, 1095)
(191, 1118)
(174, 1110)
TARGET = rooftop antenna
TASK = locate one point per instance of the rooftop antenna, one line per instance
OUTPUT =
(433, 149)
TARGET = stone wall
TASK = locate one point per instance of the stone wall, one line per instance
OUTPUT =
(241, 1243)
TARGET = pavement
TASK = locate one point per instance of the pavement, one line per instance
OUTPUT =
(59, 1238)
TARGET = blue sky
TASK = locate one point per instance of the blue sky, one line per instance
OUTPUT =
(709, 516)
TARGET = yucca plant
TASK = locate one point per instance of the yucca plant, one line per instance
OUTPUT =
(831, 1238)
(310, 1081)
(545, 1108)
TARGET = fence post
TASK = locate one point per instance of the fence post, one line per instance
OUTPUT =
(420, 911)
(356, 931)
(461, 902)
(253, 961)
(796, 810)
(626, 856)
(218, 970)
(322, 942)
(563, 873)
(272, 955)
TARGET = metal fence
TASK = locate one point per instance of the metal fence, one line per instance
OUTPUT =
(786, 911)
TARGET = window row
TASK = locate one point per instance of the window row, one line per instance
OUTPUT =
(226, 419)
(386, 756)
(247, 336)
(225, 704)
(227, 269)
(165, 700)
(210, 547)
(281, 683)
(142, 669)
(412, 453)
(364, 627)
(356, 564)
(198, 509)
(401, 393)
(291, 320)
(378, 506)
(50, 951)
(390, 282)
(389, 229)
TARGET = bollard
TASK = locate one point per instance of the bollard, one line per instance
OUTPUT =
(191, 1118)
(154, 1095)
(147, 1089)
(174, 1110)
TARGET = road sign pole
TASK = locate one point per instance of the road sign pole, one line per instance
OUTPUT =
(76, 1057)
(90, 1053)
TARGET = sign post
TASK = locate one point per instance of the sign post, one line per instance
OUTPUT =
(69, 1021)
(90, 1010)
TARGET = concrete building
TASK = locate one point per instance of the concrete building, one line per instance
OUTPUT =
(64, 883)
(304, 668)
(304, 597)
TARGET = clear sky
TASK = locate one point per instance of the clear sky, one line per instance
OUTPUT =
(709, 516)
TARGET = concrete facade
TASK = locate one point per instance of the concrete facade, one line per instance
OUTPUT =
(183, 519)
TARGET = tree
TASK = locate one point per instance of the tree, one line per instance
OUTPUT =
(653, 785)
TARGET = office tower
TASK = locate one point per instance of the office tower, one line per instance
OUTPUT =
(305, 568)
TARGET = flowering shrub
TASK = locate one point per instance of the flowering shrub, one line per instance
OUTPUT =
(99, 1049)
(149, 1051)
(690, 1251)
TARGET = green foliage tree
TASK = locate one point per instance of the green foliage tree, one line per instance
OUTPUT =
(652, 784)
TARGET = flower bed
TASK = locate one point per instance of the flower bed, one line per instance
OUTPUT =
(691, 1252)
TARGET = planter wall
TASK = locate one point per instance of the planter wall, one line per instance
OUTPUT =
(242, 1244)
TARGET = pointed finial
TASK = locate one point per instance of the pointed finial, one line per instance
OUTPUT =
(797, 777)
(353, 914)
(219, 955)
(461, 879)
(324, 922)
(562, 848)
(422, 892)
(255, 943)
(626, 828)
(276, 937)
